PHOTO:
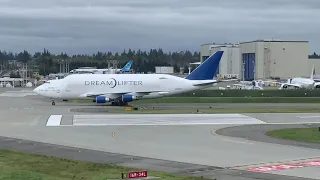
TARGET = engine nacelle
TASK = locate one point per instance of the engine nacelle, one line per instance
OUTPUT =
(128, 98)
(102, 99)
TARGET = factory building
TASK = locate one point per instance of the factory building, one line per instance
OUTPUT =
(164, 69)
(229, 67)
(271, 59)
(231, 59)
(206, 50)
(264, 59)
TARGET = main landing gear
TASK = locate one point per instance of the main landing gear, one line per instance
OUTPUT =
(119, 103)
(53, 103)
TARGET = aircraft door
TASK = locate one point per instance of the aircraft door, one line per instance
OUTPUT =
(58, 93)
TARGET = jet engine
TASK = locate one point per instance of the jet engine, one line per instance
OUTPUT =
(102, 99)
(128, 98)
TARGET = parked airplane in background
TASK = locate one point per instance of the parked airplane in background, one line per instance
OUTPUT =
(248, 85)
(125, 68)
(308, 83)
(119, 89)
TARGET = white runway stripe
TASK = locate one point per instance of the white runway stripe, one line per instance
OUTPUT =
(6, 94)
(54, 120)
(163, 119)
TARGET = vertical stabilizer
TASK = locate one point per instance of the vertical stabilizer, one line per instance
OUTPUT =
(208, 69)
(313, 71)
(127, 67)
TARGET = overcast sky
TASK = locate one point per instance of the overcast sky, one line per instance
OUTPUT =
(85, 26)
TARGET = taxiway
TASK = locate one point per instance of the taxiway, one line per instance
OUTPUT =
(182, 147)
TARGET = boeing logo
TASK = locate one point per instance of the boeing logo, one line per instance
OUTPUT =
(113, 83)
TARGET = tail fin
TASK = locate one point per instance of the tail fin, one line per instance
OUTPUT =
(127, 67)
(313, 71)
(207, 69)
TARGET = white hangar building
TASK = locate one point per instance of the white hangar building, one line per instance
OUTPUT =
(229, 66)
(264, 59)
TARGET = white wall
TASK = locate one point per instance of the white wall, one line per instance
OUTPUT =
(289, 59)
(278, 59)
(164, 69)
(205, 50)
(230, 60)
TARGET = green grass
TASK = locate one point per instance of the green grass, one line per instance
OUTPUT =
(218, 110)
(299, 134)
(223, 100)
(21, 166)
(229, 100)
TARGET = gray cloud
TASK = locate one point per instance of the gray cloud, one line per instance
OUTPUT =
(85, 26)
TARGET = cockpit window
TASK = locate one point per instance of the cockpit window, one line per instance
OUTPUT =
(47, 82)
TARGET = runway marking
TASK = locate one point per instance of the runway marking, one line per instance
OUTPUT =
(22, 93)
(162, 119)
(21, 108)
(113, 134)
(54, 120)
(307, 117)
(292, 123)
(286, 166)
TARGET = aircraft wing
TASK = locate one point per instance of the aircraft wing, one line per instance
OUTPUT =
(285, 85)
(116, 95)
(204, 83)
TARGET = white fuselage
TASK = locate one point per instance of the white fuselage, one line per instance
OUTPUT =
(303, 82)
(83, 85)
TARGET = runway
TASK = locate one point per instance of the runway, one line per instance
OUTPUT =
(157, 143)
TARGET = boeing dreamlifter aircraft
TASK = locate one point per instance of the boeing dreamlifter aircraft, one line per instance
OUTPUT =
(119, 89)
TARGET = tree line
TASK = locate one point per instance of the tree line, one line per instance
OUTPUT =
(143, 61)
(314, 56)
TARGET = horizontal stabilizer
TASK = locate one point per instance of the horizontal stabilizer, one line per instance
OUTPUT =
(205, 83)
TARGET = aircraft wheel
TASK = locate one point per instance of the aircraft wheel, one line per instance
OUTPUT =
(121, 103)
(53, 103)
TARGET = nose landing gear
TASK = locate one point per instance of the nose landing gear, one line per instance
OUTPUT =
(53, 103)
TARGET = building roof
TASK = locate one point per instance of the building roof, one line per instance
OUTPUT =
(216, 44)
(273, 40)
(229, 45)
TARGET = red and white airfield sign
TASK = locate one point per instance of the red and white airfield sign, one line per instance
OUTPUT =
(280, 167)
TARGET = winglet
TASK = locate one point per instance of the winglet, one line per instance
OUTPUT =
(208, 69)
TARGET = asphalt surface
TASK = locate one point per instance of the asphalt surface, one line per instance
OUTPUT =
(92, 108)
(257, 133)
(196, 150)
(226, 105)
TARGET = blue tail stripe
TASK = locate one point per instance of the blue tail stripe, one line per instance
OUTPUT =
(207, 70)
(127, 66)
